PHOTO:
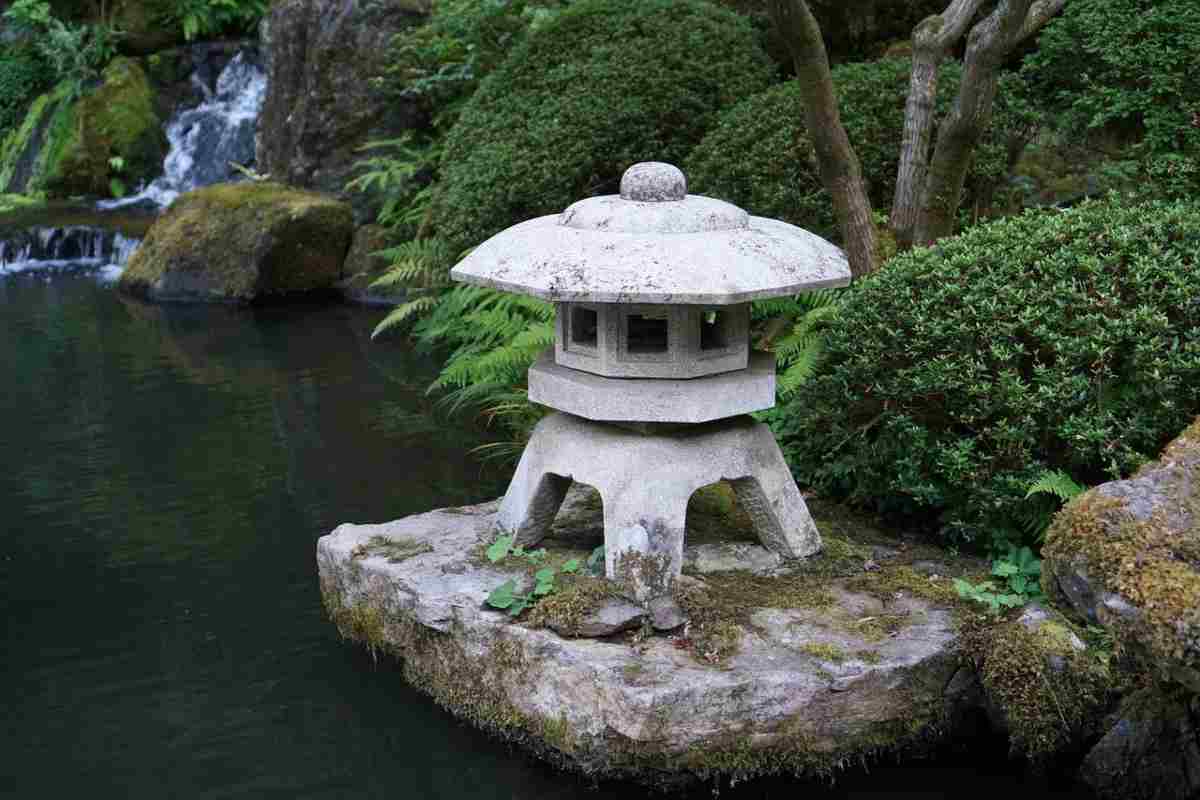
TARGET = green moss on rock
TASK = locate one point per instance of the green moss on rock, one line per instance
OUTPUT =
(1050, 692)
(111, 134)
(239, 242)
(1127, 555)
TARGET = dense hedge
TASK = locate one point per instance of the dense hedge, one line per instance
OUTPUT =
(604, 85)
(1065, 340)
(1125, 62)
(759, 154)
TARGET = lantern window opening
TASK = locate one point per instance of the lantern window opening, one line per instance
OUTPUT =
(584, 327)
(714, 330)
(647, 332)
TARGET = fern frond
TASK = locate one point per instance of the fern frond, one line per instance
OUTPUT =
(1057, 483)
(405, 313)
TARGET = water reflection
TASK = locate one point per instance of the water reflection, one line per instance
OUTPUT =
(166, 472)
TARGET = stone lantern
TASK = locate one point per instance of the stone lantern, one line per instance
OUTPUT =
(651, 376)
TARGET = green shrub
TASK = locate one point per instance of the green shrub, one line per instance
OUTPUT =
(1126, 71)
(1125, 63)
(603, 85)
(958, 374)
(760, 156)
(23, 76)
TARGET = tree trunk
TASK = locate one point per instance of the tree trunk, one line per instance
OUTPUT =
(989, 43)
(932, 40)
(841, 173)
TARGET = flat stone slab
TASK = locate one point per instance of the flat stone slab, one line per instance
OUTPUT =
(815, 673)
(681, 400)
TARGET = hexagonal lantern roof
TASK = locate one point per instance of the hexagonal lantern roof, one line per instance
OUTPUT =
(654, 243)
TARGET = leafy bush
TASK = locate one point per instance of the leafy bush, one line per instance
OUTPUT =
(603, 85)
(958, 374)
(760, 156)
(75, 52)
(23, 76)
(206, 18)
(1125, 64)
(439, 63)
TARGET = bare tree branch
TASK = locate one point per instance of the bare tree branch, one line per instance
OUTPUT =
(1040, 13)
(989, 43)
(841, 172)
(932, 40)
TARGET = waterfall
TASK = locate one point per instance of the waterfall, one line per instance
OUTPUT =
(68, 247)
(206, 139)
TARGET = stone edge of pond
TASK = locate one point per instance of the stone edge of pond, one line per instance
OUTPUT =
(804, 693)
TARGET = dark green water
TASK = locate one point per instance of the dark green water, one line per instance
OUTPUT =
(164, 476)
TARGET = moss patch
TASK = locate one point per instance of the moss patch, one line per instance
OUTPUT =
(395, 551)
(112, 137)
(1050, 693)
(1152, 564)
(236, 242)
(575, 598)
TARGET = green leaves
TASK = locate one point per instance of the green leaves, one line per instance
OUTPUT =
(506, 597)
(1019, 571)
(499, 549)
(1021, 352)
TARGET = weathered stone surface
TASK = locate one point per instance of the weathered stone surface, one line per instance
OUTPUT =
(1152, 752)
(1126, 555)
(322, 103)
(646, 481)
(613, 617)
(681, 400)
(240, 242)
(714, 557)
(819, 674)
(665, 614)
(678, 250)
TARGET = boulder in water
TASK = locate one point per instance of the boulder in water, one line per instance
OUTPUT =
(241, 242)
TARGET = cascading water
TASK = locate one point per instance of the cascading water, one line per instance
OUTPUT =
(207, 139)
(70, 247)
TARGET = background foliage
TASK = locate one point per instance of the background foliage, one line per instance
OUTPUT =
(601, 86)
(1125, 72)
(958, 374)
(775, 173)
(23, 76)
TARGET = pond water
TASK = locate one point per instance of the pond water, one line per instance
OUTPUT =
(165, 474)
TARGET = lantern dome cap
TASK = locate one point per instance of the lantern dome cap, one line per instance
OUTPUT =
(654, 243)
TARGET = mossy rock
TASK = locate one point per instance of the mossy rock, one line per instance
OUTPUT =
(241, 242)
(109, 140)
(1126, 555)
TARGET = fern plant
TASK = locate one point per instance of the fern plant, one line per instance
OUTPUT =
(792, 327)
(1050, 491)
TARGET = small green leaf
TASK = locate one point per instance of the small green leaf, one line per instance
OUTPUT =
(519, 605)
(499, 549)
(570, 567)
(502, 596)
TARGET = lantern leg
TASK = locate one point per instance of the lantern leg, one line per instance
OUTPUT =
(643, 539)
(770, 498)
(532, 500)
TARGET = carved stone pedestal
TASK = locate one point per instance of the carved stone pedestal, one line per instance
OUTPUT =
(645, 481)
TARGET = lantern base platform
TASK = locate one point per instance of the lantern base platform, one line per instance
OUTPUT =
(793, 685)
(645, 482)
(648, 400)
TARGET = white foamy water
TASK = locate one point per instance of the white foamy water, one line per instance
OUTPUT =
(205, 140)
(49, 250)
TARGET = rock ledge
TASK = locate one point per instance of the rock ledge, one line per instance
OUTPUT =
(800, 670)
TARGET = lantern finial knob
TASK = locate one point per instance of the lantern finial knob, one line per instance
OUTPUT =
(653, 182)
